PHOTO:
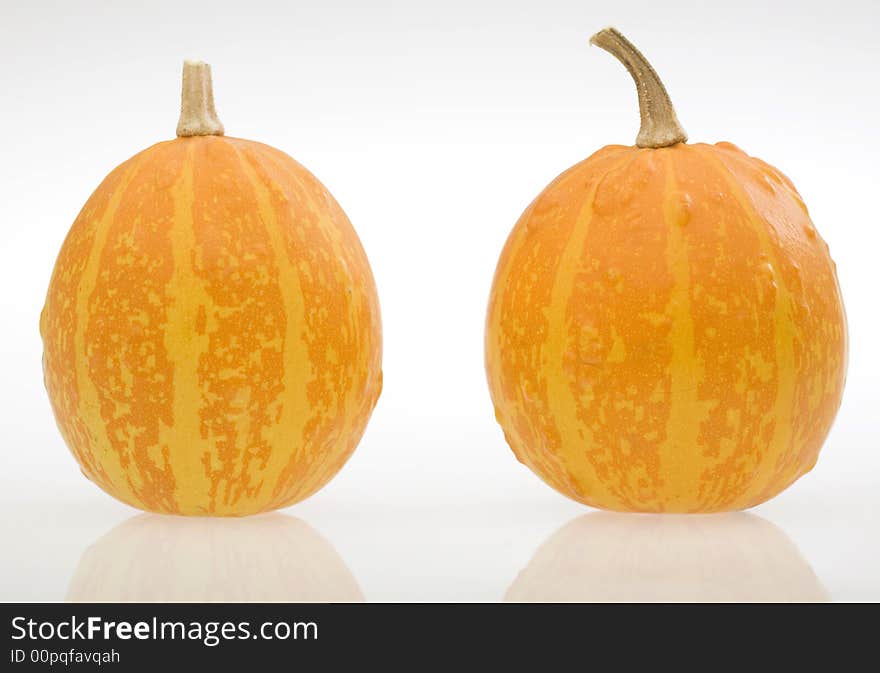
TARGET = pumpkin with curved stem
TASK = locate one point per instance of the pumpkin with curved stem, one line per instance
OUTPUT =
(212, 339)
(665, 329)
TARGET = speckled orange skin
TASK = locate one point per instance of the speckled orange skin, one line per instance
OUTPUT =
(212, 340)
(666, 332)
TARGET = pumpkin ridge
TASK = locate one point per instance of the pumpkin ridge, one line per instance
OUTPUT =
(189, 301)
(733, 302)
(89, 403)
(508, 389)
(290, 422)
(294, 480)
(312, 482)
(129, 369)
(333, 422)
(687, 411)
(784, 365)
(58, 324)
(517, 323)
(817, 314)
(240, 371)
(605, 337)
(583, 450)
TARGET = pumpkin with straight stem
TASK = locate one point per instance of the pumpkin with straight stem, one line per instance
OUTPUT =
(212, 340)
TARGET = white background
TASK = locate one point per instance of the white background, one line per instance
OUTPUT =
(434, 125)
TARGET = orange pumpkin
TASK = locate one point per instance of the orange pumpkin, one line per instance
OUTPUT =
(665, 329)
(212, 340)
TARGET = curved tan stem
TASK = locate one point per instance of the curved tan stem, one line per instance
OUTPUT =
(660, 126)
(197, 114)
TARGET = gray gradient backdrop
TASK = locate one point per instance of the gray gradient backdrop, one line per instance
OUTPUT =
(434, 125)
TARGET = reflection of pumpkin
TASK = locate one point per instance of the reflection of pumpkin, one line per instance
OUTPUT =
(665, 330)
(158, 559)
(211, 332)
(612, 557)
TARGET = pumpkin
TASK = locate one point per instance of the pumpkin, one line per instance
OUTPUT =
(608, 557)
(212, 339)
(269, 558)
(665, 330)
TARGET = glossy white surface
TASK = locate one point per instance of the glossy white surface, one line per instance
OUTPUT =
(434, 124)
(815, 542)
